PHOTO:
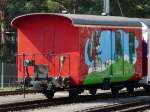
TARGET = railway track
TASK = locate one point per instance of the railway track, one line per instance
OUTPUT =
(16, 106)
(24, 105)
(124, 107)
(16, 92)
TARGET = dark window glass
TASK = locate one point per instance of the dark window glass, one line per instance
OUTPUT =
(118, 48)
(131, 45)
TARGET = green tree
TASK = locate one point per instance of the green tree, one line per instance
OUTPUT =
(130, 8)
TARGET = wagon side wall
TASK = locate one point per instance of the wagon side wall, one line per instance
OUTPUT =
(49, 33)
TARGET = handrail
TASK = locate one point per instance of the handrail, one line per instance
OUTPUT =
(31, 54)
(49, 54)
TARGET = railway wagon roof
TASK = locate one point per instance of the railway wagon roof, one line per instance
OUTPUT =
(92, 19)
(146, 22)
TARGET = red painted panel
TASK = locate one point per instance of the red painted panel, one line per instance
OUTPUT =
(47, 33)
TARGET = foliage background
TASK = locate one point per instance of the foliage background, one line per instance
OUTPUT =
(130, 8)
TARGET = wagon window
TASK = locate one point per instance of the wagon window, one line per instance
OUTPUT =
(118, 44)
(131, 46)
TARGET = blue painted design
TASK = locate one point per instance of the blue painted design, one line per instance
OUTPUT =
(105, 50)
(136, 44)
(126, 43)
(87, 58)
(105, 41)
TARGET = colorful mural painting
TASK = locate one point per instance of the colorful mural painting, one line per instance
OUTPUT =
(110, 54)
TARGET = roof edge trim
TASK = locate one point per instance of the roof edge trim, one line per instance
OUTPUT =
(18, 18)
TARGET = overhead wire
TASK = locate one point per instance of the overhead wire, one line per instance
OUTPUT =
(118, 2)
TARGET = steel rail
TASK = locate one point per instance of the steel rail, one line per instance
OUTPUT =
(16, 106)
(132, 106)
(16, 92)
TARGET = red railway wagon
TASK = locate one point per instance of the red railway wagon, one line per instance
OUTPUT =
(77, 52)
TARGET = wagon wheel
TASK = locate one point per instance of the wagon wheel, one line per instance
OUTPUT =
(73, 94)
(49, 94)
(114, 91)
(93, 91)
(147, 88)
(130, 89)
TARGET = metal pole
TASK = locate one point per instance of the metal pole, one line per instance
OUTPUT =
(3, 4)
(3, 48)
(105, 7)
(2, 76)
(74, 6)
(23, 54)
